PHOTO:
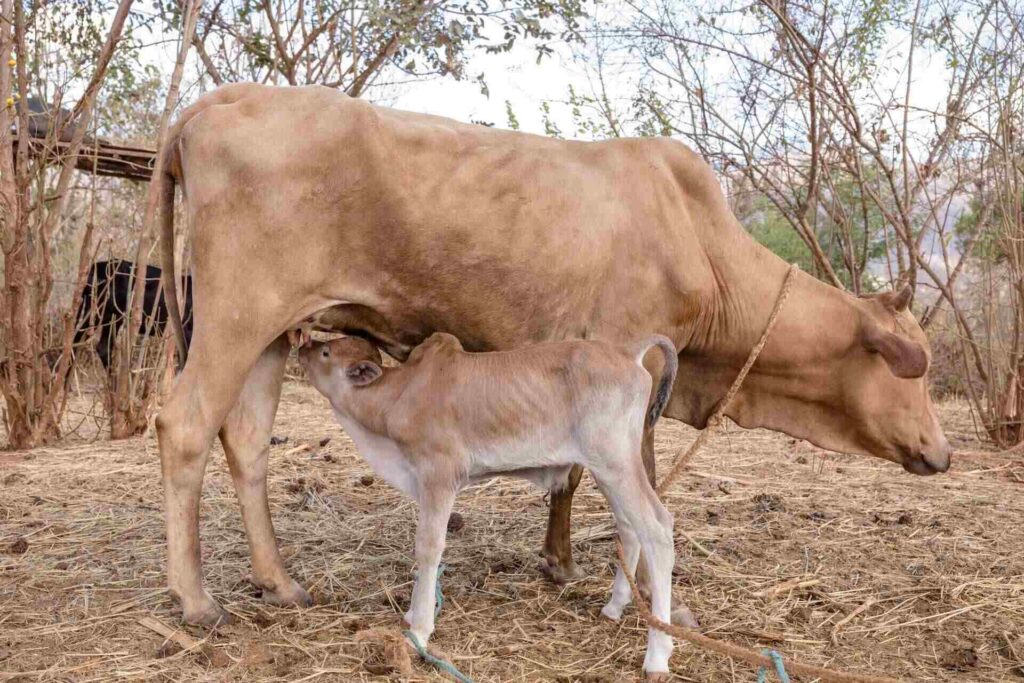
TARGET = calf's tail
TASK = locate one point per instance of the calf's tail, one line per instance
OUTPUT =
(668, 373)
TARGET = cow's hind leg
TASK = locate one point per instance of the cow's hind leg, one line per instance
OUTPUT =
(105, 347)
(200, 401)
(246, 439)
(647, 455)
(557, 551)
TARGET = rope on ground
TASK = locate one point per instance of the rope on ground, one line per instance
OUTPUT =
(728, 649)
(437, 662)
(780, 668)
(769, 659)
(683, 457)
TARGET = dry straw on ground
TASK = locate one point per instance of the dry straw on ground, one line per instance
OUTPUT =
(842, 561)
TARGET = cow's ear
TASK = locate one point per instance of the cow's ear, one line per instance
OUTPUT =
(906, 359)
(363, 372)
(899, 300)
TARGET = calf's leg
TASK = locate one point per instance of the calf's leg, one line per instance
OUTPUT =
(635, 505)
(246, 438)
(622, 594)
(557, 552)
(435, 505)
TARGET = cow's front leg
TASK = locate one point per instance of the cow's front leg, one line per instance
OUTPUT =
(557, 552)
(246, 439)
(435, 507)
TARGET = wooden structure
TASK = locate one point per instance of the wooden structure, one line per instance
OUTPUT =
(100, 156)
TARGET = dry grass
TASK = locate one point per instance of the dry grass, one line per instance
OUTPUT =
(843, 561)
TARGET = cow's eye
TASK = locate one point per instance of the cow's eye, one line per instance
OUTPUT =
(325, 353)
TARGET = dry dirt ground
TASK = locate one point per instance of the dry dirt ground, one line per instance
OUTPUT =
(835, 560)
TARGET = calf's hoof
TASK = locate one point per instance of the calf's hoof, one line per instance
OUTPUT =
(612, 612)
(561, 573)
(657, 676)
(422, 633)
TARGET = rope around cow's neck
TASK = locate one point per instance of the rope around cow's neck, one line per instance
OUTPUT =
(682, 458)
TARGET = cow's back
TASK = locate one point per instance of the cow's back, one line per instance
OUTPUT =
(497, 236)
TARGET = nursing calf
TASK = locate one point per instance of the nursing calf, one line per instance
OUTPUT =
(448, 418)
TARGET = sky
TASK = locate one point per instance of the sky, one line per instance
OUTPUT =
(518, 78)
(515, 77)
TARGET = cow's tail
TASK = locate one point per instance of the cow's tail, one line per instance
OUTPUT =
(166, 177)
(668, 373)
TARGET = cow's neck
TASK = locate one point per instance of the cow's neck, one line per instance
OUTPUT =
(792, 382)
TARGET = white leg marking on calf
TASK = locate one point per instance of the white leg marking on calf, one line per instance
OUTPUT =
(635, 505)
(435, 508)
(658, 549)
(622, 595)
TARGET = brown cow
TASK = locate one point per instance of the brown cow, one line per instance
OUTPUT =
(303, 200)
(447, 418)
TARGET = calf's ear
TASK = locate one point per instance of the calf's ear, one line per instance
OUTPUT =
(363, 372)
(906, 359)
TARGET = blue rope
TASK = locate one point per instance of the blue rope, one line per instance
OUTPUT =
(426, 656)
(780, 668)
(437, 591)
(439, 663)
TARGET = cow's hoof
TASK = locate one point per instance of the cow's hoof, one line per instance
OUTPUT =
(559, 573)
(657, 676)
(682, 616)
(210, 616)
(292, 595)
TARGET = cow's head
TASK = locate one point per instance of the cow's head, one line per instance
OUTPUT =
(884, 387)
(844, 373)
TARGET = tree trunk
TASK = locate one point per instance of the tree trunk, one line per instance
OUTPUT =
(34, 393)
(130, 401)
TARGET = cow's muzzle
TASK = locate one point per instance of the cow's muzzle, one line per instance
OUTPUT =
(933, 459)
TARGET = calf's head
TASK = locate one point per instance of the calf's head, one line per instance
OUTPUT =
(341, 366)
